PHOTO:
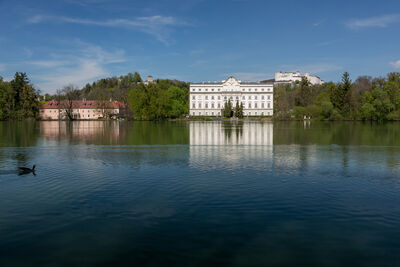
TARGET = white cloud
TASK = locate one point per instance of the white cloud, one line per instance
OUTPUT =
(48, 63)
(77, 67)
(318, 23)
(377, 22)
(157, 26)
(395, 64)
(2, 67)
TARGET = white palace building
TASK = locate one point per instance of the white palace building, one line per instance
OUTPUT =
(209, 98)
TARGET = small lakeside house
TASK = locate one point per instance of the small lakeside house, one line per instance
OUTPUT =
(82, 110)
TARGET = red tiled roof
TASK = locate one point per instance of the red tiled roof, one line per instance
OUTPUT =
(84, 104)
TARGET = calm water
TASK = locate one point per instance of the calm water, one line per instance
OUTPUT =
(200, 193)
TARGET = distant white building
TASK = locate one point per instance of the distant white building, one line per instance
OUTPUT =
(149, 80)
(291, 77)
(209, 98)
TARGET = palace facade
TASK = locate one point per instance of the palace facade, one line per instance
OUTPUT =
(209, 98)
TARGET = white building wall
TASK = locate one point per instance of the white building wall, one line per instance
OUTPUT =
(208, 99)
(296, 76)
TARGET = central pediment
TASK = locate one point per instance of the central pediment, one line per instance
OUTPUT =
(231, 84)
(231, 81)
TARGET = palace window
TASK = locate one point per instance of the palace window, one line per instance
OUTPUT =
(237, 98)
(231, 97)
(206, 97)
(255, 113)
(212, 105)
(243, 97)
(263, 91)
(249, 97)
(206, 105)
(269, 97)
(269, 105)
(262, 105)
(249, 105)
(193, 97)
(262, 113)
(219, 113)
(212, 113)
(194, 113)
(255, 105)
(206, 113)
(206, 90)
(225, 97)
(219, 105)
(256, 91)
(262, 97)
(212, 90)
(199, 90)
(194, 105)
(199, 105)
(255, 97)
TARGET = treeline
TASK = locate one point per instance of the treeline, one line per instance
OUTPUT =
(18, 98)
(365, 99)
(159, 100)
(115, 88)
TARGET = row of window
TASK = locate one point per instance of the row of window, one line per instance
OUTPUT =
(55, 111)
(243, 89)
(268, 113)
(231, 97)
(249, 105)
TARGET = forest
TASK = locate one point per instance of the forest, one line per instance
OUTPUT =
(366, 98)
(18, 98)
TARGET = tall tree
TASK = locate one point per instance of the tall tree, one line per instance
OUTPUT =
(340, 95)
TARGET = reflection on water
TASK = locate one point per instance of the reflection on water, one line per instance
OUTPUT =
(107, 132)
(200, 193)
(231, 144)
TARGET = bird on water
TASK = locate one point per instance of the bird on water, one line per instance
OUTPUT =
(23, 170)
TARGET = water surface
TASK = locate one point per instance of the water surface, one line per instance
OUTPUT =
(200, 193)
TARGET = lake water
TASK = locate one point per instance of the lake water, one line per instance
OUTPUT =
(200, 194)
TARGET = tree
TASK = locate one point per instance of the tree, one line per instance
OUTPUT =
(304, 97)
(237, 110)
(340, 95)
(71, 94)
(240, 113)
(228, 109)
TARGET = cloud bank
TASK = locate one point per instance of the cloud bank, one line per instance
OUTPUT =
(157, 25)
(376, 22)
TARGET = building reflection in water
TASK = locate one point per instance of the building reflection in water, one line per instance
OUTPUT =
(88, 132)
(231, 145)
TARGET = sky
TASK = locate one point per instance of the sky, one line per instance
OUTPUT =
(74, 42)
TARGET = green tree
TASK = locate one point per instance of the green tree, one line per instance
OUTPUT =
(340, 95)
(304, 97)
(228, 109)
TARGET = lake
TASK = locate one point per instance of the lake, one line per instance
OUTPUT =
(200, 193)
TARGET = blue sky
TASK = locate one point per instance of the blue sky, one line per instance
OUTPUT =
(78, 41)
